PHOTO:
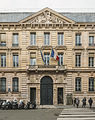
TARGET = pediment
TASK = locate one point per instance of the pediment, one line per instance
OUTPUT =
(47, 16)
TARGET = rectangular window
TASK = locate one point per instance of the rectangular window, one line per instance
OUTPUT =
(78, 60)
(15, 60)
(91, 60)
(2, 84)
(15, 85)
(91, 84)
(78, 84)
(33, 39)
(46, 58)
(15, 39)
(46, 38)
(3, 60)
(33, 59)
(2, 39)
(60, 61)
(60, 38)
(78, 39)
(91, 40)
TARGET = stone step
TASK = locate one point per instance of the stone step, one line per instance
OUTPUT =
(76, 113)
(78, 116)
(89, 118)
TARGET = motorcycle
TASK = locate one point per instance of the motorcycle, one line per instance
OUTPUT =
(3, 105)
(14, 104)
(28, 105)
(34, 105)
(8, 105)
(21, 105)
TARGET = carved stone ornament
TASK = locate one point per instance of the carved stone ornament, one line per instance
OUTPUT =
(46, 18)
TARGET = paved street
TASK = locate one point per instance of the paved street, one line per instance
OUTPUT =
(37, 114)
(77, 114)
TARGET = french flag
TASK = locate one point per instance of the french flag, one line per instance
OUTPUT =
(53, 55)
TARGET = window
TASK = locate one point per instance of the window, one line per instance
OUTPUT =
(46, 38)
(78, 84)
(91, 60)
(15, 60)
(15, 83)
(60, 61)
(2, 84)
(3, 39)
(15, 39)
(33, 59)
(91, 84)
(91, 40)
(78, 60)
(33, 39)
(78, 39)
(3, 60)
(46, 58)
(60, 38)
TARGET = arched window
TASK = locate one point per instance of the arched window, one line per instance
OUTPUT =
(15, 84)
(2, 84)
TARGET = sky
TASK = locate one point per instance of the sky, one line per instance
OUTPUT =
(58, 5)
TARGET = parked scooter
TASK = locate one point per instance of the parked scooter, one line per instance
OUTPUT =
(27, 106)
(3, 106)
(21, 105)
(8, 105)
(14, 104)
(34, 105)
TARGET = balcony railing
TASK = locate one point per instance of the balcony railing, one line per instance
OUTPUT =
(46, 68)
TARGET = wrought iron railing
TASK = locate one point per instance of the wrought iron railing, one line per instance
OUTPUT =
(46, 67)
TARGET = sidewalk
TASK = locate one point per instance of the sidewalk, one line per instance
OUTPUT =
(62, 106)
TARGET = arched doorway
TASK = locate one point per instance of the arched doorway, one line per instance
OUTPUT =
(46, 91)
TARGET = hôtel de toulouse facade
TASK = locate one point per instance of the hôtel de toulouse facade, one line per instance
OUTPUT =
(24, 75)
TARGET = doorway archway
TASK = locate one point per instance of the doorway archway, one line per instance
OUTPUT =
(46, 91)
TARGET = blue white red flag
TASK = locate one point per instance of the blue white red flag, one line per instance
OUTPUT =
(54, 55)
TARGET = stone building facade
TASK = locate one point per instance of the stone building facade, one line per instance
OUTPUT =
(27, 70)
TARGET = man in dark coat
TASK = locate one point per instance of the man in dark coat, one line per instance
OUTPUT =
(90, 102)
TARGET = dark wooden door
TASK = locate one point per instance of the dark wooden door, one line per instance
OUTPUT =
(46, 91)
(60, 95)
(32, 95)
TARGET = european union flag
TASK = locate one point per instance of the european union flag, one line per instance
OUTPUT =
(42, 56)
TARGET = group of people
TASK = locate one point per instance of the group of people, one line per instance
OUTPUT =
(77, 101)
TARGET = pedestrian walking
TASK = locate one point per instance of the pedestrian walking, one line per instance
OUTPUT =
(74, 102)
(90, 102)
(77, 102)
(84, 102)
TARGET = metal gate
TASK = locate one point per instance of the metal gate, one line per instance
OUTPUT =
(46, 91)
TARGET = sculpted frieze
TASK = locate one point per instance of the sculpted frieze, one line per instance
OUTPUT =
(47, 18)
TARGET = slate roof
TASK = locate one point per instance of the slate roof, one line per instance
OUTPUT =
(17, 16)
